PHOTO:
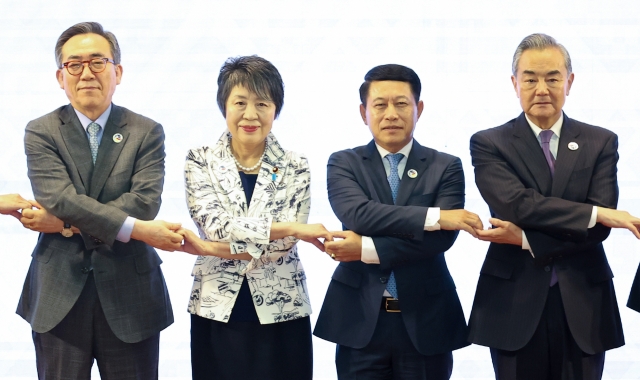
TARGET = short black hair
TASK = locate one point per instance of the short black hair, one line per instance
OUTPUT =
(390, 72)
(254, 73)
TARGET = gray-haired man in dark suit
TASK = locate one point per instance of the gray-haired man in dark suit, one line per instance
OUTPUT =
(95, 291)
(545, 303)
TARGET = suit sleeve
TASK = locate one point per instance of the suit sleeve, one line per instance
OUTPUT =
(54, 190)
(349, 200)
(553, 225)
(245, 234)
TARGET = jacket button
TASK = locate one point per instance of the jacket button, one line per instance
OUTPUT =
(85, 270)
(547, 268)
(383, 280)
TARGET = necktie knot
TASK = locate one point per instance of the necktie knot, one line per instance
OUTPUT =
(545, 136)
(394, 159)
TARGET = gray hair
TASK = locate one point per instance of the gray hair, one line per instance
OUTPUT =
(86, 28)
(254, 73)
(539, 41)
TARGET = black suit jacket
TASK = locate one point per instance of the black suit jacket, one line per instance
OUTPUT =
(515, 181)
(360, 196)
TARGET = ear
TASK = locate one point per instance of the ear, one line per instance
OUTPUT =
(420, 108)
(514, 80)
(363, 113)
(569, 83)
(118, 73)
(60, 78)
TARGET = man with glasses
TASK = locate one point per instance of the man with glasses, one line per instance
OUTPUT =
(95, 291)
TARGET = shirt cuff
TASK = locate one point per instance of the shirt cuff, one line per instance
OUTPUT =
(369, 253)
(124, 235)
(525, 244)
(433, 217)
(594, 217)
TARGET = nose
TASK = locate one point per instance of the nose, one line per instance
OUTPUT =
(541, 88)
(390, 113)
(86, 74)
(250, 112)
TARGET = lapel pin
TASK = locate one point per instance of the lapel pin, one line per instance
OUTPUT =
(274, 172)
(412, 173)
(222, 168)
(117, 138)
(573, 146)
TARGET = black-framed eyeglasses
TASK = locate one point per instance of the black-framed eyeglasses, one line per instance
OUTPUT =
(96, 65)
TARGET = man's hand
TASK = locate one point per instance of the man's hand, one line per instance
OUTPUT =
(158, 233)
(502, 233)
(618, 219)
(38, 219)
(311, 233)
(11, 203)
(460, 220)
(347, 249)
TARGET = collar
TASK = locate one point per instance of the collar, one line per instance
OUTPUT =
(556, 128)
(101, 120)
(405, 150)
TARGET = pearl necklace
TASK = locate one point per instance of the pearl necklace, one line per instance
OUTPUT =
(254, 167)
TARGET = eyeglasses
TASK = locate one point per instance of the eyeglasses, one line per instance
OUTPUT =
(96, 65)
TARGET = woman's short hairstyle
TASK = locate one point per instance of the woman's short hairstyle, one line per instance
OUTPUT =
(539, 41)
(254, 73)
(391, 72)
(86, 28)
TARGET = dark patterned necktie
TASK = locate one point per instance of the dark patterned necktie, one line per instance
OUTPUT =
(545, 138)
(394, 183)
(93, 130)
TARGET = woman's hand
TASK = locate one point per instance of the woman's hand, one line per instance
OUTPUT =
(311, 233)
(194, 245)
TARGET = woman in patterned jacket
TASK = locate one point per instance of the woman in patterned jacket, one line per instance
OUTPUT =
(250, 201)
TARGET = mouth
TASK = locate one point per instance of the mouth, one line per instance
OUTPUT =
(249, 128)
(87, 88)
(392, 128)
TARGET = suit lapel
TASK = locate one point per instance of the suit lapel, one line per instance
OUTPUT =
(417, 161)
(374, 169)
(77, 143)
(109, 150)
(528, 147)
(266, 186)
(566, 158)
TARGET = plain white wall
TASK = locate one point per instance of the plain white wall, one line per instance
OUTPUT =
(462, 50)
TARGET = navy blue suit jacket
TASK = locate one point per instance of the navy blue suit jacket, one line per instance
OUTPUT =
(514, 179)
(360, 196)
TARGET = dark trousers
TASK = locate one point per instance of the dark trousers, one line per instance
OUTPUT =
(551, 354)
(391, 355)
(251, 351)
(67, 351)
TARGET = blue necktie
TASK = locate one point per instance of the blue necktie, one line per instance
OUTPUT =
(545, 138)
(394, 183)
(93, 129)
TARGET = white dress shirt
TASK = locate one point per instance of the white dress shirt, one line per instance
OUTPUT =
(553, 147)
(124, 235)
(369, 254)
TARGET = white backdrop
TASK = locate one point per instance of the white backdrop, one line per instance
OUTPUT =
(172, 51)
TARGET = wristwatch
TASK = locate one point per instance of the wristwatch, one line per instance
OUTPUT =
(66, 230)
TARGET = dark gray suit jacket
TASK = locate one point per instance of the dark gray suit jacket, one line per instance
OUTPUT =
(127, 180)
(360, 196)
(515, 181)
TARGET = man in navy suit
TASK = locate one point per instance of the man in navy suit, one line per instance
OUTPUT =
(391, 306)
(545, 302)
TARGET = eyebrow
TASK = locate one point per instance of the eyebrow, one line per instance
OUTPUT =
(396, 98)
(93, 55)
(552, 72)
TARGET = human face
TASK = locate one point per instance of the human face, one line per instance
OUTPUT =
(391, 113)
(88, 92)
(542, 83)
(249, 118)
